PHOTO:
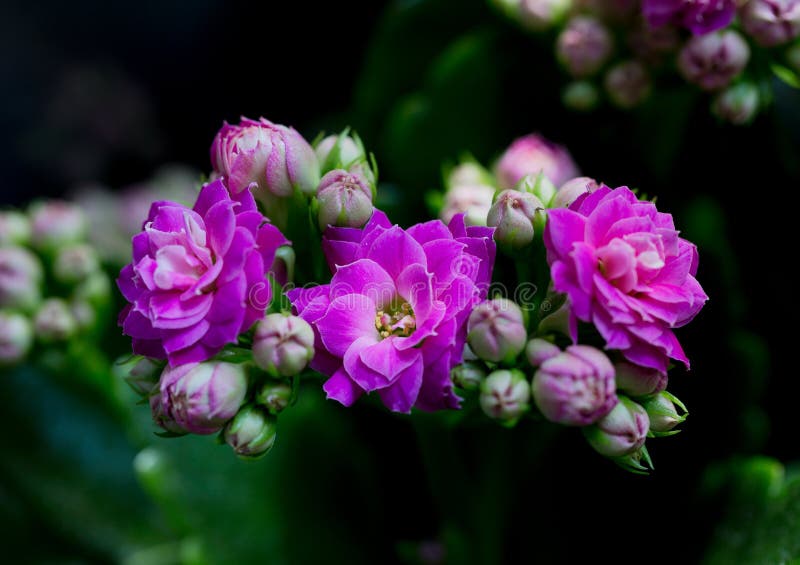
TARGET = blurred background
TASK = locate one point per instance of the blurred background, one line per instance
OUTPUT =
(105, 94)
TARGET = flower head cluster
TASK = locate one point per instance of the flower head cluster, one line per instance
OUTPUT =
(393, 318)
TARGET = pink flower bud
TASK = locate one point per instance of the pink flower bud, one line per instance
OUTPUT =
(283, 345)
(55, 224)
(713, 60)
(513, 215)
(737, 104)
(505, 395)
(252, 432)
(16, 338)
(20, 279)
(771, 22)
(201, 397)
(469, 173)
(621, 432)
(345, 200)
(628, 84)
(54, 321)
(496, 330)
(15, 229)
(531, 155)
(75, 263)
(540, 350)
(270, 159)
(584, 46)
(576, 387)
(472, 200)
(638, 381)
(571, 190)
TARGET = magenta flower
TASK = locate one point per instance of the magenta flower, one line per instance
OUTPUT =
(393, 318)
(625, 270)
(198, 277)
(698, 16)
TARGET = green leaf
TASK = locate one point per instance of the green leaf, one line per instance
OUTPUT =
(786, 74)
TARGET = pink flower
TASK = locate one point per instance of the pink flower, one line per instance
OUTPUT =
(198, 276)
(531, 155)
(393, 318)
(625, 270)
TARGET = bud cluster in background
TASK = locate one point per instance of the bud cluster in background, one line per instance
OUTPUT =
(623, 50)
(54, 293)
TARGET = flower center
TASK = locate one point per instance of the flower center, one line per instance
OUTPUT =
(396, 320)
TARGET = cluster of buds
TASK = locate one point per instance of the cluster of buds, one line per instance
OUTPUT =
(530, 176)
(239, 399)
(52, 285)
(620, 47)
(617, 406)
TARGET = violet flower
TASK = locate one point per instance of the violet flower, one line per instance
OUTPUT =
(393, 318)
(198, 277)
(625, 270)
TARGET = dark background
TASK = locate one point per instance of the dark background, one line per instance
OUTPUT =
(107, 92)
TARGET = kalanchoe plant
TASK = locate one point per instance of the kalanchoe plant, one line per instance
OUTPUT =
(406, 315)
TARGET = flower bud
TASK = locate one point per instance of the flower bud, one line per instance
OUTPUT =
(513, 214)
(540, 186)
(713, 60)
(20, 279)
(15, 229)
(95, 290)
(470, 173)
(283, 345)
(252, 432)
(663, 414)
(505, 395)
(473, 200)
(270, 159)
(468, 375)
(621, 432)
(54, 321)
(531, 155)
(140, 373)
(584, 46)
(496, 330)
(638, 381)
(16, 338)
(75, 263)
(55, 224)
(160, 415)
(771, 22)
(571, 190)
(538, 15)
(202, 397)
(345, 200)
(627, 84)
(576, 387)
(737, 104)
(275, 396)
(84, 314)
(580, 95)
(339, 152)
(540, 350)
